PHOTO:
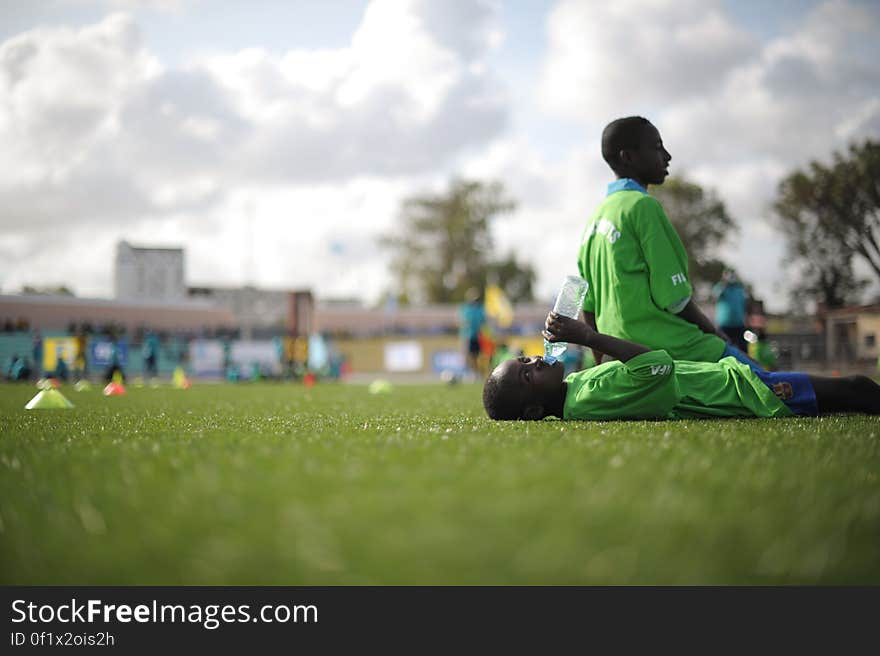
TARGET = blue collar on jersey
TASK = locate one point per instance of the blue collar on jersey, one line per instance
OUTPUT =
(625, 184)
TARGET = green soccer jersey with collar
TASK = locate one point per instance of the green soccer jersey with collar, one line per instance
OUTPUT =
(654, 386)
(637, 269)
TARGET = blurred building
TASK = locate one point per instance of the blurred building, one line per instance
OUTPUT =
(57, 313)
(262, 312)
(355, 320)
(149, 273)
(157, 275)
(851, 333)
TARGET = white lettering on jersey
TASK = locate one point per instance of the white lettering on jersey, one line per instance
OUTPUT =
(660, 369)
(678, 279)
(606, 228)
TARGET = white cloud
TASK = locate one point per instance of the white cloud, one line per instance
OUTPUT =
(618, 58)
(100, 134)
(60, 92)
(170, 6)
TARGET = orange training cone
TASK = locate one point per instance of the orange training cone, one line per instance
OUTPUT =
(114, 389)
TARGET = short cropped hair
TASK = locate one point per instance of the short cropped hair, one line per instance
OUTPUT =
(622, 134)
(501, 401)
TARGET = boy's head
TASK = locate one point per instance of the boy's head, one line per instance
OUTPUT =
(524, 388)
(632, 147)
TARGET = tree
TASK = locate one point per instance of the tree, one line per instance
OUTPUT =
(702, 222)
(829, 216)
(443, 245)
(515, 279)
(59, 290)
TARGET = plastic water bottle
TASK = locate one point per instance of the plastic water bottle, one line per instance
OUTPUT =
(568, 304)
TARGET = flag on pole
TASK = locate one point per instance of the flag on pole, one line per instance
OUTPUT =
(498, 307)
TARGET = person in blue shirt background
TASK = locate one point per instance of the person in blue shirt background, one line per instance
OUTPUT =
(150, 352)
(472, 317)
(730, 308)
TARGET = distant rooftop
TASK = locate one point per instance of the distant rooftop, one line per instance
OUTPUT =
(163, 249)
(133, 303)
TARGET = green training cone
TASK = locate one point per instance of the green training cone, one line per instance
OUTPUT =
(49, 399)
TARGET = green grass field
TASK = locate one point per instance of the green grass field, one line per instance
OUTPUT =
(283, 485)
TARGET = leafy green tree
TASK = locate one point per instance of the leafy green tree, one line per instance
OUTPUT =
(702, 222)
(851, 191)
(830, 216)
(59, 290)
(515, 279)
(443, 245)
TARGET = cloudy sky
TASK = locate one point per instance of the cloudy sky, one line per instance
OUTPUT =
(275, 140)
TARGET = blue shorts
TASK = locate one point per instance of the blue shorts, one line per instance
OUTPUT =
(731, 351)
(793, 389)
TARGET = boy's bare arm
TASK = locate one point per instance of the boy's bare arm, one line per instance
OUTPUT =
(558, 328)
(694, 315)
(590, 318)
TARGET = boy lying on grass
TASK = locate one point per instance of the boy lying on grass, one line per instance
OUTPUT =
(646, 384)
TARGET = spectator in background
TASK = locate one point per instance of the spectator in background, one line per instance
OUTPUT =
(18, 369)
(756, 320)
(62, 372)
(115, 361)
(37, 352)
(79, 355)
(730, 308)
(760, 349)
(472, 317)
(150, 351)
(502, 353)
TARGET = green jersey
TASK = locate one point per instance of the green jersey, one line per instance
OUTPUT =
(654, 386)
(638, 273)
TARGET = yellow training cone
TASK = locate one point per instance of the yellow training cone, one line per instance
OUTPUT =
(180, 381)
(380, 386)
(82, 386)
(117, 377)
(49, 399)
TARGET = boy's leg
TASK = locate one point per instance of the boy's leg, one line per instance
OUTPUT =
(848, 394)
(794, 389)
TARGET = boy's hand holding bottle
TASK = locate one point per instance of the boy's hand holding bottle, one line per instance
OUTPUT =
(559, 328)
(568, 304)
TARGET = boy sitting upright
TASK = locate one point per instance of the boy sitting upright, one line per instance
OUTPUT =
(634, 260)
(647, 384)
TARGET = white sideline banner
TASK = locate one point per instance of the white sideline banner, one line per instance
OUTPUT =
(206, 357)
(262, 353)
(403, 356)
